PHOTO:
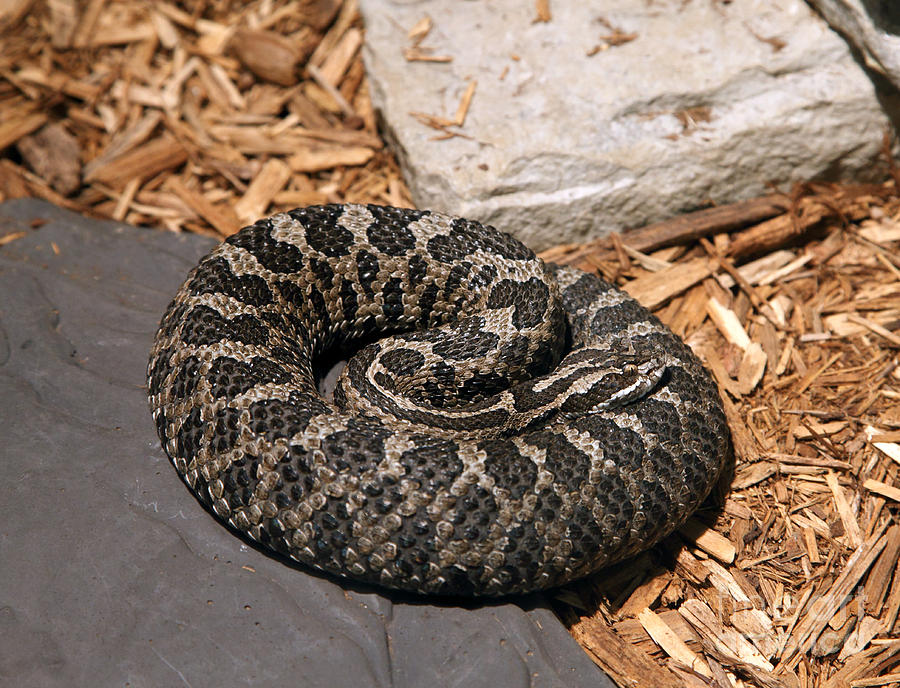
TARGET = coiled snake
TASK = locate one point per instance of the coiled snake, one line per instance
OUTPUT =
(521, 425)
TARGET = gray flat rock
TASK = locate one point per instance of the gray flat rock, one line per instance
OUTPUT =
(572, 134)
(113, 575)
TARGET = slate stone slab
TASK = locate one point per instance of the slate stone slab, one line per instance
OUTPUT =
(113, 575)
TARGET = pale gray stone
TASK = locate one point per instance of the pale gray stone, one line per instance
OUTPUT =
(873, 26)
(710, 101)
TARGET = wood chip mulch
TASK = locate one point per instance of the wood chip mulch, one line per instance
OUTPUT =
(791, 574)
(202, 116)
(190, 116)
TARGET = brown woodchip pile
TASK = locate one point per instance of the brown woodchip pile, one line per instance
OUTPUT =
(194, 116)
(790, 577)
(202, 116)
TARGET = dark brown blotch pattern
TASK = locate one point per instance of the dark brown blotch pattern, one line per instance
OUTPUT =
(369, 492)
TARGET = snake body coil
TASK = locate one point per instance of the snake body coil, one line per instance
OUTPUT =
(520, 426)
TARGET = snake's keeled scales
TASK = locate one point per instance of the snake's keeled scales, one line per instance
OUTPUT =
(520, 425)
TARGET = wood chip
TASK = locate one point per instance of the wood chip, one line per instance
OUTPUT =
(775, 233)
(752, 368)
(885, 490)
(626, 666)
(12, 12)
(890, 449)
(323, 158)
(261, 192)
(785, 270)
(848, 518)
(645, 594)
(884, 680)
(725, 640)
(17, 127)
(656, 288)
(222, 218)
(728, 323)
(63, 22)
(9, 237)
(153, 157)
(464, 104)
(421, 55)
(543, 11)
(420, 30)
(124, 141)
(673, 645)
(708, 540)
(123, 203)
(876, 328)
(871, 662)
(338, 60)
(267, 54)
(878, 581)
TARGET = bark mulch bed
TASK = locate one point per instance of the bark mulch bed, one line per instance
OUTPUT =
(790, 576)
(203, 116)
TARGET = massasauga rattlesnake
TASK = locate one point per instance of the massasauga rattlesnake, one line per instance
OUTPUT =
(525, 424)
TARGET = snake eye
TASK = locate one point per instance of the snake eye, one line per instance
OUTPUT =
(630, 369)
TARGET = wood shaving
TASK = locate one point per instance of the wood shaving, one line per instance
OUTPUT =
(156, 116)
(793, 305)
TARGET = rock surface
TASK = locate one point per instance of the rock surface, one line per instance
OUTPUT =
(114, 575)
(575, 130)
(873, 26)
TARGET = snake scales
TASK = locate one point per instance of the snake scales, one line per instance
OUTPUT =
(463, 454)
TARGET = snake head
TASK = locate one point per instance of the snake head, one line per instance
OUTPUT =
(615, 381)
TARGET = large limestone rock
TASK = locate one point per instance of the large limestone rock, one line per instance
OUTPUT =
(873, 26)
(572, 133)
